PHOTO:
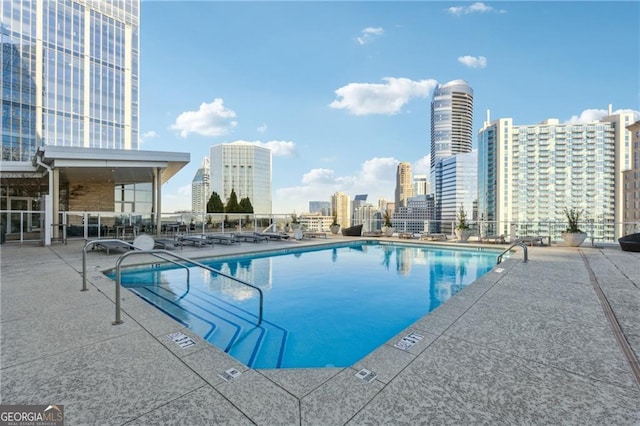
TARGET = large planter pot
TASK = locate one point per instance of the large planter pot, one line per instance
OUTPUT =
(463, 234)
(574, 239)
(387, 230)
(334, 229)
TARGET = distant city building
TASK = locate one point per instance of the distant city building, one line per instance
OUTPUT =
(528, 174)
(357, 202)
(421, 185)
(451, 135)
(368, 216)
(416, 216)
(322, 207)
(404, 184)
(200, 192)
(341, 208)
(459, 188)
(631, 182)
(315, 221)
(245, 168)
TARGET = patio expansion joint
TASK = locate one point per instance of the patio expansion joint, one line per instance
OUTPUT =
(613, 322)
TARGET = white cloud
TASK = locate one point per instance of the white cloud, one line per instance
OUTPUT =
(477, 7)
(375, 98)
(185, 190)
(279, 148)
(319, 177)
(422, 166)
(473, 61)
(368, 34)
(146, 136)
(212, 119)
(262, 128)
(591, 115)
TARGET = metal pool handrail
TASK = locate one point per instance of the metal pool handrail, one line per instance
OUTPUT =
(517, 243)
(185, 259)
(94, 242)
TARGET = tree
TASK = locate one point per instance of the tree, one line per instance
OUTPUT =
(232, 203)
(245, 205)
(214, 205)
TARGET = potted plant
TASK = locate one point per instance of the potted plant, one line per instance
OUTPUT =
(387, 226)
(573, 236)
(462, 228)
(335, 226)
(295, 223)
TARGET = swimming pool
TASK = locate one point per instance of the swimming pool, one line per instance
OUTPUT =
(323, 306)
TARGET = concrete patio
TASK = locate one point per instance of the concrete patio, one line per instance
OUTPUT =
(528, 343)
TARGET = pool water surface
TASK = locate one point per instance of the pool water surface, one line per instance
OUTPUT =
(322, 306)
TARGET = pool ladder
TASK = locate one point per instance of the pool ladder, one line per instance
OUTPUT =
(517, 243)
(157, 253)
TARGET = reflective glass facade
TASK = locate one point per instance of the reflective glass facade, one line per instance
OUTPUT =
(245, 168)
(69, 75)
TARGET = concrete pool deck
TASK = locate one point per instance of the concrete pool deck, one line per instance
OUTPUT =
(528, 343)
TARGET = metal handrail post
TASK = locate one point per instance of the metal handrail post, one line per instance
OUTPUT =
(524, 248)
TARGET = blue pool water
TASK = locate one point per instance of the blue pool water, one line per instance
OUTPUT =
(322, 307)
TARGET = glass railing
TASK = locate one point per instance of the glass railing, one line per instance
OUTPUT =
(21, 226)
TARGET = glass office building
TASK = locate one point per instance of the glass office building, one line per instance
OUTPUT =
(245, 168)
(528, 174)
(69, 75)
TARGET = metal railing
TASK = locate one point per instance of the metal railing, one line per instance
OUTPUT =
(517, 243)
(184, 259)
(121, 242)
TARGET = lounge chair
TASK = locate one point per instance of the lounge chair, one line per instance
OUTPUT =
(630, 242)
(372, 234)
(432, 237)
(223, 238)
(111, 245)
(198, 240)
(352, 231)
(274, 235)
(250, 237)
(530, 240)
(406, 235)
(165, 243)
(314, 234)
(493, 239)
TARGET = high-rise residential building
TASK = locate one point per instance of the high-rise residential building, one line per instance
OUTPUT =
(631, 182)
(404, 184)
(200, 192)
(528, 174)
(322, 207)
(245, 168)
(451, 120)
(421, 185)
(341, 209)
(416, 216)
(69, 93)
(451, 135)
(458, 174)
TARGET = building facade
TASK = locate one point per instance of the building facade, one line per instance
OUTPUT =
(530, 173)
(451, 135)
(421, 185)
(341, 209)
(451, 120)
(322, 207)
(245, 168)
(459, 188)
(200, 192)
(70, 75)
(404, 184)
(631, 182)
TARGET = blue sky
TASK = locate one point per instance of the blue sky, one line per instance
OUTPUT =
(341, 91)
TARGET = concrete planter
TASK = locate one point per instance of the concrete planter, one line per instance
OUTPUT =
(463, 234)
(387, 230)
(334, 229)
(574, 239)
